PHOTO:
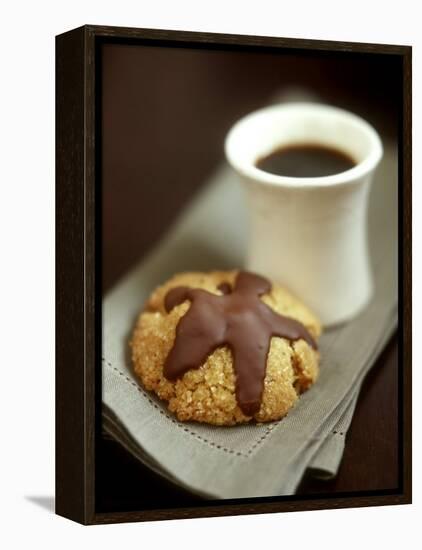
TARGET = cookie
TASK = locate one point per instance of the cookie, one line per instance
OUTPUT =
(226, 347)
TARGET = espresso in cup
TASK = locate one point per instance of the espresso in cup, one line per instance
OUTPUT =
(306, 169)
(306, 161)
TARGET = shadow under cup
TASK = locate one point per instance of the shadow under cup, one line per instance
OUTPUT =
(309, 234)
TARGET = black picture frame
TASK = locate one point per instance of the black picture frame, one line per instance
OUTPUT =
(78, 276)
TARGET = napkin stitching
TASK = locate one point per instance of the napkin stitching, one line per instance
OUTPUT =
(246, 454)
(197, 436)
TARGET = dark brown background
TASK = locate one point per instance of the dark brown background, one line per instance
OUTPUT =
(165, 114)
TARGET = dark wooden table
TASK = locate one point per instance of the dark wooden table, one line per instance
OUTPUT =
(165, 115)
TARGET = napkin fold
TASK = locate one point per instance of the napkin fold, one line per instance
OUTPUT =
(246, 460)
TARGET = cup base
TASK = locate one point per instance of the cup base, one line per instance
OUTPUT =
(347, 317)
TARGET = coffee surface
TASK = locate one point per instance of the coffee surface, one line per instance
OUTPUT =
(306, 161)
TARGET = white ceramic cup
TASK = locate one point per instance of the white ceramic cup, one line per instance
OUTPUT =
(309, 234)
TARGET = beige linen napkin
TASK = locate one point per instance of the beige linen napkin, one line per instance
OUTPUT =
(248, 460)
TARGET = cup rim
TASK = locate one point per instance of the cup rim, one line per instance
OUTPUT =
(251, 172)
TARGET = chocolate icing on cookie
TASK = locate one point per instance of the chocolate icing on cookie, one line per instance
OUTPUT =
(237, 319)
